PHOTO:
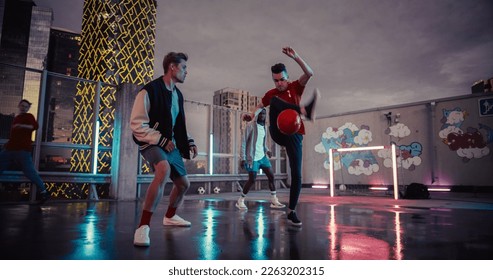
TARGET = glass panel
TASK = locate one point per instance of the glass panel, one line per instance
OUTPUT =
(223, 130)
(68, 128)
(17, 192)
(59, 109)
(223, 187)
(197, 188)
(197, 117)
(223, 165)
(16, 84)
(14, 192)
(55, 159)
(75, 191)
(197, 165)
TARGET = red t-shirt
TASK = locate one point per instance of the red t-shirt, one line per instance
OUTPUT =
(291, 95)
(20, 138)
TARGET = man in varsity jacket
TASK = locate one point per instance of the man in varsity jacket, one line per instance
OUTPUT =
(158, 126)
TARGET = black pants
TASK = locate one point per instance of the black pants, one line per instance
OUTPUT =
(292, 143)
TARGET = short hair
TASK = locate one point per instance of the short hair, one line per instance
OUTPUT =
(278, 68)
(25, 100)
(173, 57)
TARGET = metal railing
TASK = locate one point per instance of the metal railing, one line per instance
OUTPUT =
(42, 146)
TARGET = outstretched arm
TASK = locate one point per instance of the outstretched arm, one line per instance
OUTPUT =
(307, 70)
(249, 116)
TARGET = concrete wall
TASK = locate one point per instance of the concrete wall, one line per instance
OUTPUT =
(446, 142)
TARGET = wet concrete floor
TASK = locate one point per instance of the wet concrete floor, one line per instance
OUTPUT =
(334, 228)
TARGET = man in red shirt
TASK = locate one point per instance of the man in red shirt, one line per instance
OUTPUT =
(18, 149)
(287, 95)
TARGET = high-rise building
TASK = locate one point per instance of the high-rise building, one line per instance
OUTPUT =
(117, 46)
(481, 86)
(63, 52)
(228, 126)
(63, 58)
(25, 31)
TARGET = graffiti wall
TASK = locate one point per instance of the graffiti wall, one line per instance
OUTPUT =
(441, 142)
(467, 142)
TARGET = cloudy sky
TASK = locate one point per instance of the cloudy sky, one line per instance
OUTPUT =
(365, 53)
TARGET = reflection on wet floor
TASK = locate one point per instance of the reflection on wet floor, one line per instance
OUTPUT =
(359, 228)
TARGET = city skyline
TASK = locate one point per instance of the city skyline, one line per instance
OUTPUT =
(365, 54)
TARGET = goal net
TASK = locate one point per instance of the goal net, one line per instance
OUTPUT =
(358, 149)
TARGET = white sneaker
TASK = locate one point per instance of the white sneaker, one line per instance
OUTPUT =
(274, 203)
(141, 236)
(176, 221)
(240, 204)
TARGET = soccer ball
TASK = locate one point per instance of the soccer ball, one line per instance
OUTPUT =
(217, 190)
(201, 190)
(289, 122)
(342, 187)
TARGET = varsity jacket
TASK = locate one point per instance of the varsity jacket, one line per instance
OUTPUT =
(151, 120)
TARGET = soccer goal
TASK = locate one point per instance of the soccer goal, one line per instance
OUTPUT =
(394, 164)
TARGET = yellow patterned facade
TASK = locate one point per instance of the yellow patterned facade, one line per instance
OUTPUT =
(118, 39)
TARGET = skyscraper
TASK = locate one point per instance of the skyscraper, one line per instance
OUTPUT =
(63, 58)
(118, 39)
(25, 30)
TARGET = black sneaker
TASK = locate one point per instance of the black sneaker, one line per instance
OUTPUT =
(293, 219)
(44, 197)
(310, 107)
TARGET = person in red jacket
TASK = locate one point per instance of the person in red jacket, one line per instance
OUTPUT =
(18, 149)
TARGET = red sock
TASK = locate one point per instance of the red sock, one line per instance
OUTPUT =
(146, 218)
(171, 212)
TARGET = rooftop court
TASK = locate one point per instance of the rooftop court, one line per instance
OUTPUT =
(449, 226)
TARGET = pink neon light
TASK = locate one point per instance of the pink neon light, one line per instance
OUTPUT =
(360, 149)
(378, 188)
(438, 190)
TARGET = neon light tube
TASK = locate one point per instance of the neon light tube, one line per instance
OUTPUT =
(211, 144)
(439, 190)
(394, 172)
(331, 172)
(378, 188)
(96, 150)
(360, 148)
